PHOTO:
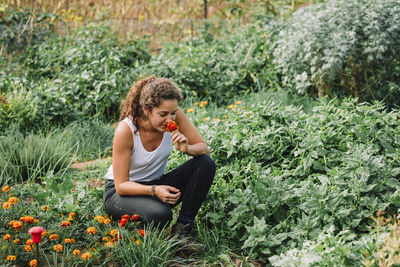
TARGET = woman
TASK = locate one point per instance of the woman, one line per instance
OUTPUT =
(136, 182)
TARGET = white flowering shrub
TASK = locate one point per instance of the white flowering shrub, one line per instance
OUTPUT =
(342, 47)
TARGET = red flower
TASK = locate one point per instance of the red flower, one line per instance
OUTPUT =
(171, 127)
(141, 232)
(125, 217)
(122, 222)
(65, 223)
(135, 217)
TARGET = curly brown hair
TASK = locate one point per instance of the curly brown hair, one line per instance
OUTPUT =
(148, 92)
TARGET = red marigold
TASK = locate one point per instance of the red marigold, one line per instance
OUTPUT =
(53, 237)
(65, 223)
(7, 237)
(141, 232)
(125, 217)
(27, 219)
(91, 230)
(123, 222)
(171, 126)
(135, 217)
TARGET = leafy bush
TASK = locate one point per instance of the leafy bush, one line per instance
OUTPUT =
(285, 176)
(343, 48)
(19, 29)
(218, 68)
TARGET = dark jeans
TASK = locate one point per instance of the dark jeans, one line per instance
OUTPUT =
(193, 179)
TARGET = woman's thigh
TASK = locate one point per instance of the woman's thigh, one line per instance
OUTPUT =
(150, 209)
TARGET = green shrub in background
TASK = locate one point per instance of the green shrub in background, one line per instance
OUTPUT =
(343, 48)
(218, 68)
(19, 29)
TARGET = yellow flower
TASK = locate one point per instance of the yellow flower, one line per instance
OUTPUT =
(206, 119)
(58, 248)
(6, 188)
(231, 106)
(138, 242)
(190, 110)
(33, 263)
(238, 102)
(100, 219)
(76, 252)
(216, 119)
(6, 205)
(11, 257)
(225, 116)
(107, 220)
(86, 256)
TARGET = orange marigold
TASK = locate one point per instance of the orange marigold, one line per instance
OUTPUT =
(53, 237)
(109, 244)
(33, 263)
(91, 230)
(16, 224)
(13, 200)
(6, 205)
(29, 242)
(11, 257)
(113, 232)
(6, 188)
(45, 207)
(28, 248)
(27, 219)
(141, 232)
(69, 240)
(16, 241)
(58, 247)
(86, 256)
(7, 237)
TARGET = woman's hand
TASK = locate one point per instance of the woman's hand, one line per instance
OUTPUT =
(167, 194)
(180, 141)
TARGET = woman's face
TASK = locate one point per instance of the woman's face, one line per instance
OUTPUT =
(160, 116)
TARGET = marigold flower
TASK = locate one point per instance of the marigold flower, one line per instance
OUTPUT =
(195, 104)
(76, 252)
(6, 205)
(190, 110)
(11, 257)
(33, 263)
(171, 126)
(13, 200)
(58, 247)
(91, 230)
(28, 248)
(27, 219)
(106, 239)
(123, 222)
(16, 241)
(69, 241)
(29, 242)
(92, 249)
(44, 233)
(141, 232)
(138, 242)
(135, 217)
(16, 224)
(45, 208)
(113, 232)
(109, 244)
(86, 256)
(107, 220)
(53, 237)
(65, 224)
(216, 120)
(238, 102)
(7, 237)
(5, 188)
(203, 103)
(100, 219)
(231, 106)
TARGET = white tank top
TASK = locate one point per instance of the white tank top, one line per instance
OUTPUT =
(146, 166)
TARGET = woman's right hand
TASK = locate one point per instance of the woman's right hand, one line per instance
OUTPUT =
(167, 194)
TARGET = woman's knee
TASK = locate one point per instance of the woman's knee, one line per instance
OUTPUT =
(159, 216)
(206, 162)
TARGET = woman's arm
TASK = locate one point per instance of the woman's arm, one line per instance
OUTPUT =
(187, 139)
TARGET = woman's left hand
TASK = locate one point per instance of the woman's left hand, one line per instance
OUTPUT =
(180, 141)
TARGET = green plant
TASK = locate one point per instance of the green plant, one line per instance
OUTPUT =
(342, 48)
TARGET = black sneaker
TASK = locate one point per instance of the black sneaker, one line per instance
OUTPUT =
(185, 232)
